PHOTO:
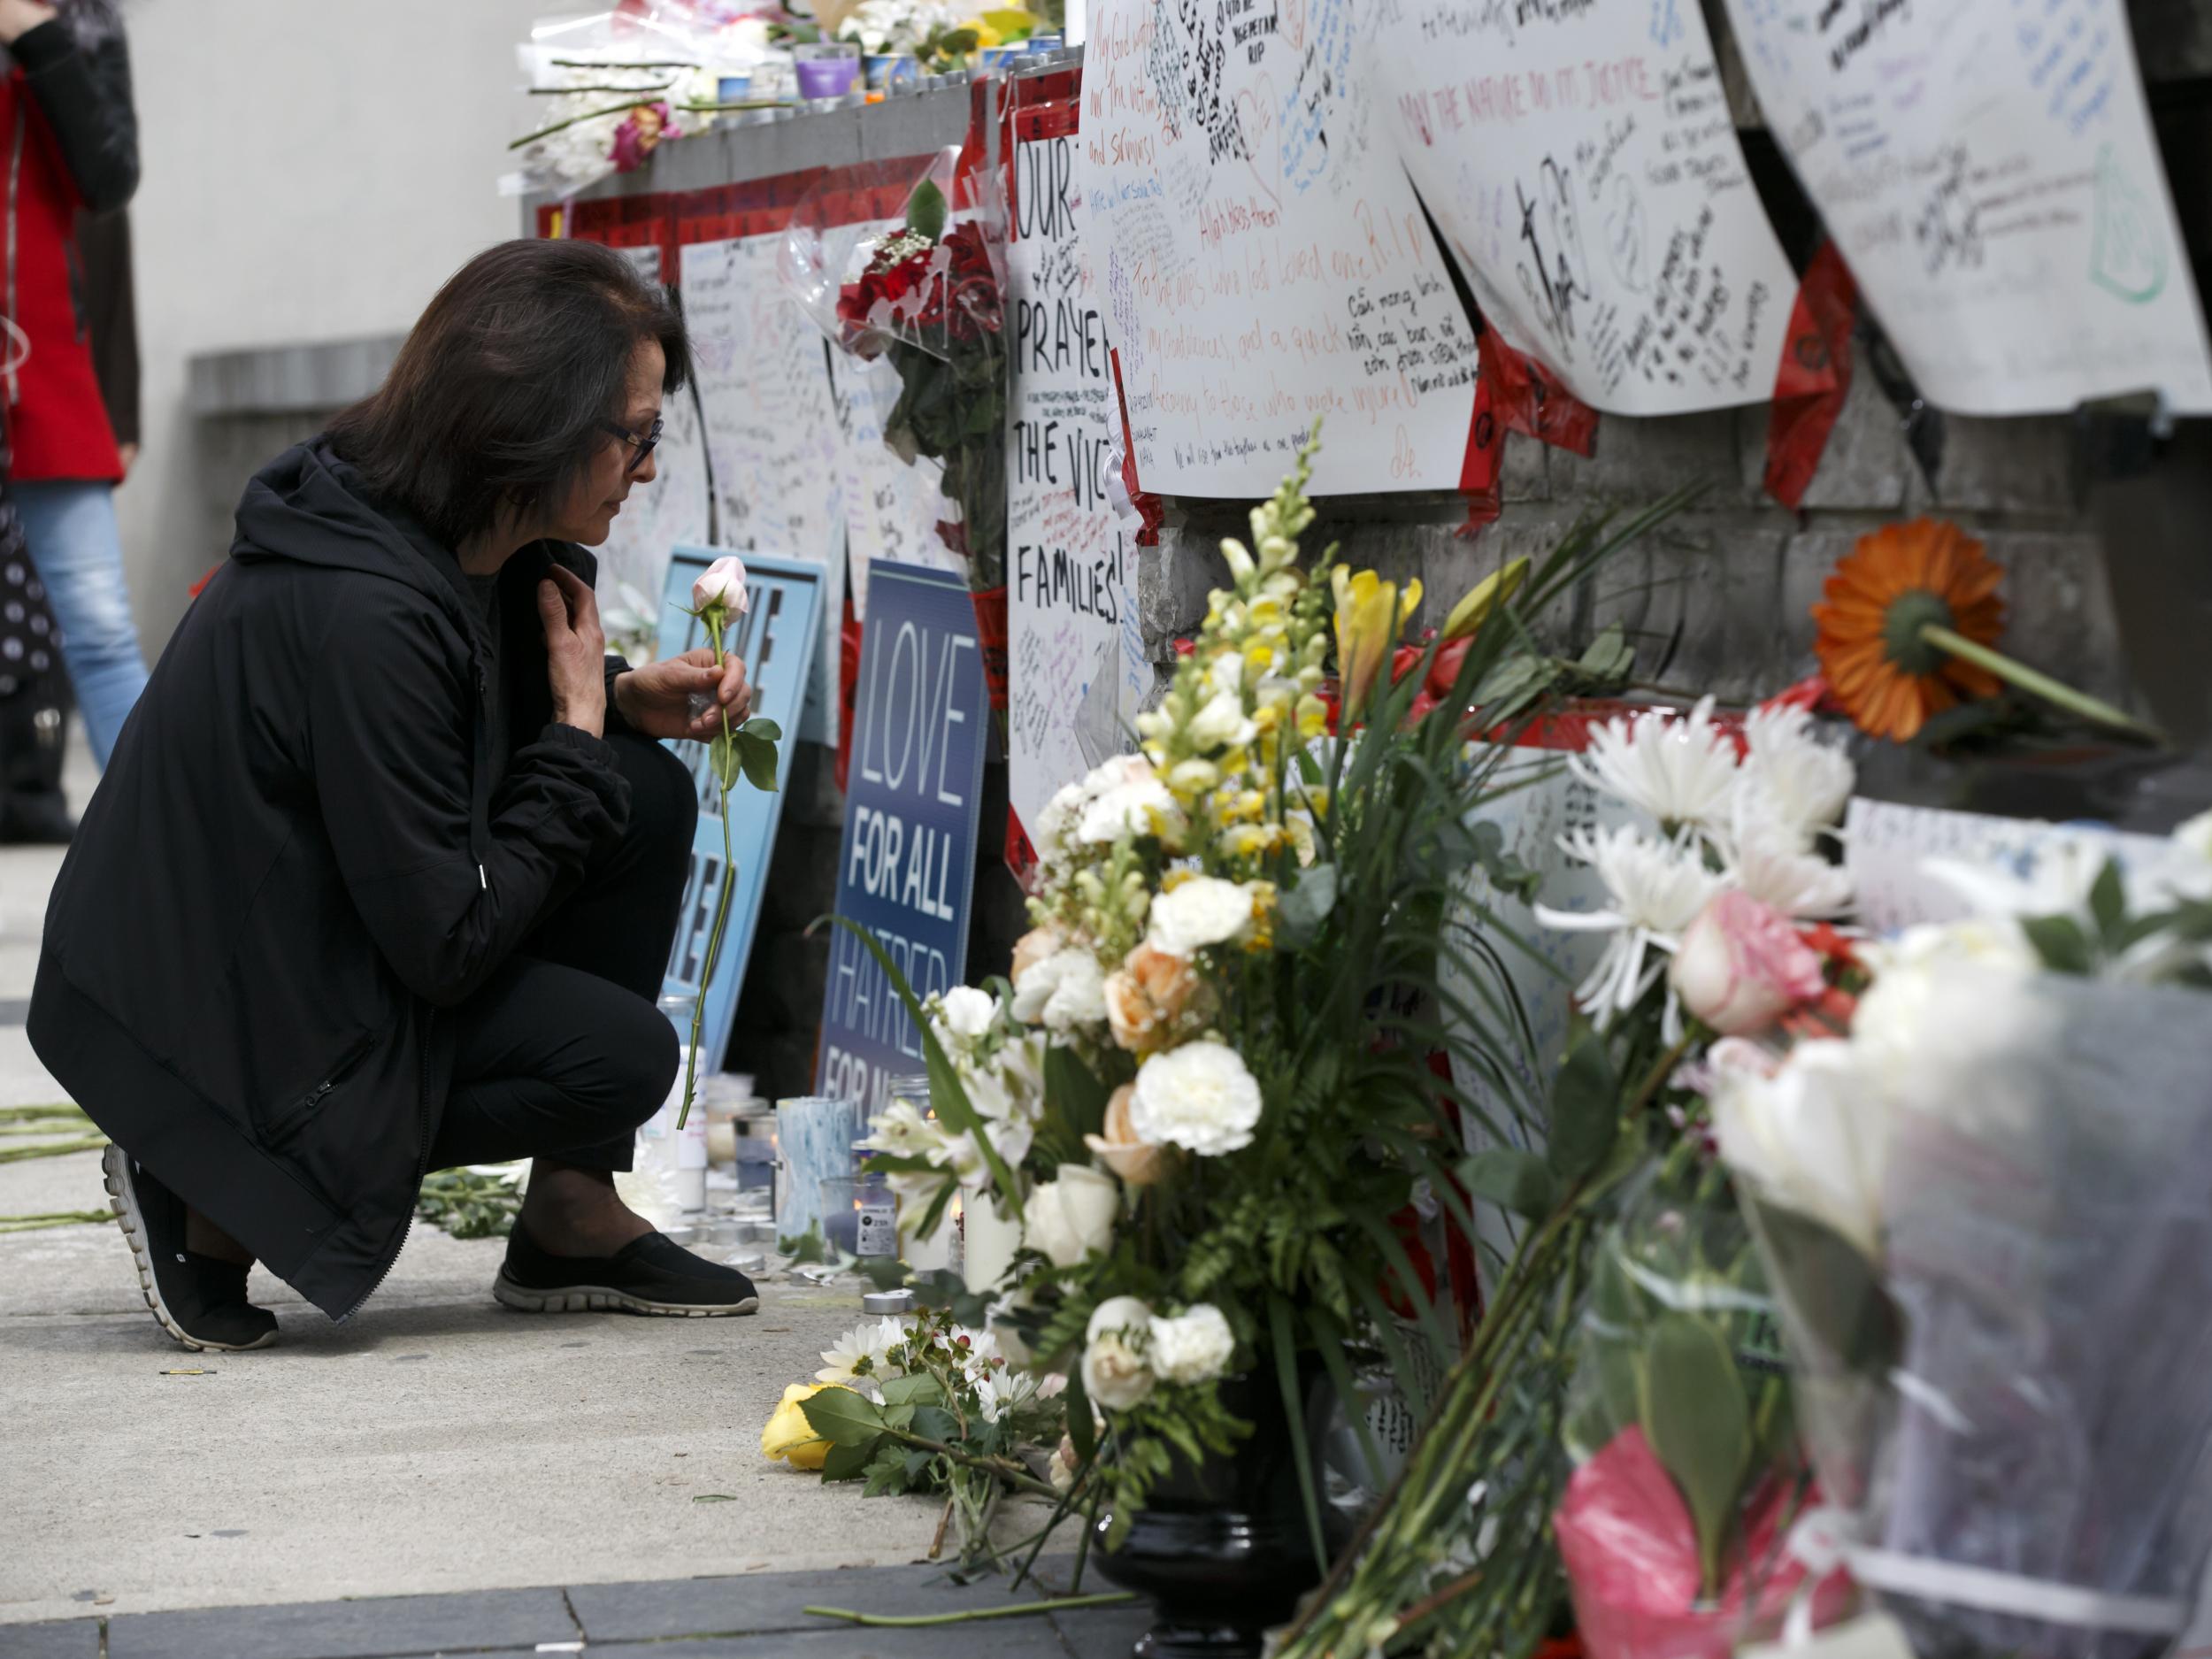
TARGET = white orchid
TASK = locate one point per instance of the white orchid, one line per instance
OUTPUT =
(1657, 887)
(1681, 769)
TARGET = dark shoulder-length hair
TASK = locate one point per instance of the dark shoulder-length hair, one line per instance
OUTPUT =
(502, 395)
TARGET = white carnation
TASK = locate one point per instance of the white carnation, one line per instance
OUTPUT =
(1126, 798)
(1204, 910)
(1066, 989)
(965, 1012)
(1222, 722)
(1193, 1347)
(1200, 1097)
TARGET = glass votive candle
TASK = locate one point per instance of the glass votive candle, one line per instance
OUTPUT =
(826, 69)
(839, 1199)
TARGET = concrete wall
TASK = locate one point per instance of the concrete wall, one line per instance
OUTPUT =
(313, 170)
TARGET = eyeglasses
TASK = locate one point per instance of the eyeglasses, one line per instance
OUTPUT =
(644, 446)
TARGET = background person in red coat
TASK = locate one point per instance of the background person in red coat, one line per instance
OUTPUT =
(69, 138)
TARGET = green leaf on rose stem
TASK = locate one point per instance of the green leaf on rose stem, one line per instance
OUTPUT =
(1512, 1179)
(763, 728)
(935, 1423)
(1303, 906)
(919, 1389)
(757, 756)
(848, 1461)
(1585, 1107)
(2108, 901)
(1694, 1418)
(926, 211)
(722, 755)
(843, 1415)
(2059, 941)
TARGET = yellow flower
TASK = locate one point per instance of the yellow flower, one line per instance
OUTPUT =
(1369, 613)
(1483, 598)
(789, 1435)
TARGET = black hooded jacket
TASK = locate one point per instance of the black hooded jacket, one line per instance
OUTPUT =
(294, 868)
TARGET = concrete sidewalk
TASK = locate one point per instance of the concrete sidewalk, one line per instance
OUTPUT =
(437, 1443)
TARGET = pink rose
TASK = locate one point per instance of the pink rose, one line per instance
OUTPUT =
(1741, 966)
(722, 585)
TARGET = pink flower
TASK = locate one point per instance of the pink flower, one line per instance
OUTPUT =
(722, 585)
(1741, 966)
(641, 133)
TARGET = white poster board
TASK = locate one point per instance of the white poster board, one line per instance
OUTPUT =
(1988, 169)
(1582, 164)
(772, 430)
(891, 510)
(1264, 258)
(1070, 572)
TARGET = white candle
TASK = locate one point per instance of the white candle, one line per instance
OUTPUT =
(992, 1239)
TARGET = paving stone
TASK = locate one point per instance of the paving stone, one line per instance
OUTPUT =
(384, 1627)
(1014, 1639)
(761, 1603)
(61, 1639)
(1104, 1632)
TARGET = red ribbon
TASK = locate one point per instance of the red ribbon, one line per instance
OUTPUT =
(1815, 376)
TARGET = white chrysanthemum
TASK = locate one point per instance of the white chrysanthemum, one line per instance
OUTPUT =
(1003, 1390)
(1200, 1097)
(1774, 864)
(1657, 887)
(1193, 1347)
(964, 1013)
(1066, 989)
(1681, 769)
(863, 1352)
(1799, 781)
(1204, 910)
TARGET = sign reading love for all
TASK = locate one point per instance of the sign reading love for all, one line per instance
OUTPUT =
(906, 866)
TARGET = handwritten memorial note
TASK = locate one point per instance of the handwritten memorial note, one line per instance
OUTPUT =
(1263, 259)
(770, 429)
(1070, 566)
(1988, 168)
(891, 510)
(1580, 159)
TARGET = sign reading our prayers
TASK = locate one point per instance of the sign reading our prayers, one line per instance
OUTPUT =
(906, 866)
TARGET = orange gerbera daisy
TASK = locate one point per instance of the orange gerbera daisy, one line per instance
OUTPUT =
(1881, 598)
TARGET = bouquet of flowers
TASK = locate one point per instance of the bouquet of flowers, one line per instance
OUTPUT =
(1709, 843)
(928, 297)
(1207, 1089)
(1981, 1208)
(921, 1404)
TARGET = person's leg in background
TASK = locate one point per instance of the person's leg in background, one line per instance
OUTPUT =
(79, 553)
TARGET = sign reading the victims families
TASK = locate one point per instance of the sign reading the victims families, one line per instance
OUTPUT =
(1071, 581)
(906, 867)
(775, 638)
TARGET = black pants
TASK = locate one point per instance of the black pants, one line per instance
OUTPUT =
(563, 1053)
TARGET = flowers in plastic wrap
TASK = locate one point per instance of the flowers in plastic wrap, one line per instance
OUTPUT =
(1983, 1212)
(1214, 1039)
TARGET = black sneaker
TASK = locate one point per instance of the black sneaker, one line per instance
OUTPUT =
(653, 1274)
(199, 1300)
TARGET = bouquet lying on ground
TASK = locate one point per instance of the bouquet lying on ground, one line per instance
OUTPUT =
(1207, 1093)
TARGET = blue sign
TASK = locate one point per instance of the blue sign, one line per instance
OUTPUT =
(906, 868)
(776, 640)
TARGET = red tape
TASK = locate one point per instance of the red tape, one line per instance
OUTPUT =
(1815, 376)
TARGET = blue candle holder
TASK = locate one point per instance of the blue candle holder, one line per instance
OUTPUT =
(814, 1135)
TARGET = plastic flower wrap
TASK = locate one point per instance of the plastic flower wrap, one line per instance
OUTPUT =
(1983, 1213)
(924, 294)
(1687, 1474)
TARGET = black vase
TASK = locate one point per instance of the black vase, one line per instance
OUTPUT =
(1221, 1549)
